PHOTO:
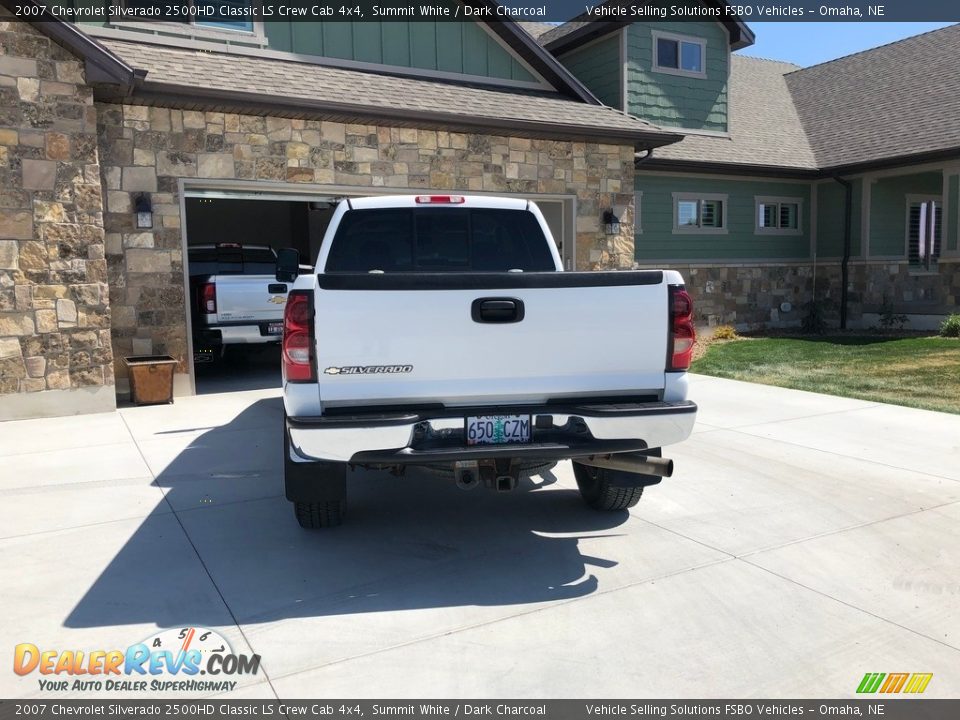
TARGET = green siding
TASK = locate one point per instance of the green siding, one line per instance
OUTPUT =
(830, 219)
(598, 67)
(79, 4)
(455, 47)
(674, 100)
(657, 241)
(888, 210)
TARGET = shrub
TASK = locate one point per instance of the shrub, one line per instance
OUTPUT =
(814, 317)
(951, 326)
(724, 332)
(889, 320)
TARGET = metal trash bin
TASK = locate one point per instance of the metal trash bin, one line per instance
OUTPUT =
(151, 378)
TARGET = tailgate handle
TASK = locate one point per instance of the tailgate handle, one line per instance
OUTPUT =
(497, 310)
(276, 288)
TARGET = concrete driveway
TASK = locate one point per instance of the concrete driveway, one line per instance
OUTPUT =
(804, 541)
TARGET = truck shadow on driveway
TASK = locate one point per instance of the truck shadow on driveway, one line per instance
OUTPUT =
(413, 542)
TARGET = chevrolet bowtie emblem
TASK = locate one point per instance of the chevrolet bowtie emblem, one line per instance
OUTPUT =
(278, 299)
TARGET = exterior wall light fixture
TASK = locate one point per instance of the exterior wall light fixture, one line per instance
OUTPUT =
(611, 223)
(144, 210)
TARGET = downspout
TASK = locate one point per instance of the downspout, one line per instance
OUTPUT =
(639, 158)
(845, 263)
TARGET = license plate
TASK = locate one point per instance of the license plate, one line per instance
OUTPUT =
(275, 328)
(498, 429)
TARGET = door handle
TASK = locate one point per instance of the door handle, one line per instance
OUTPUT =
(497, 310)
(276, 288)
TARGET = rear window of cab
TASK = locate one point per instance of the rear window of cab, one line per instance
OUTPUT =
(231, 260)
(439, 240)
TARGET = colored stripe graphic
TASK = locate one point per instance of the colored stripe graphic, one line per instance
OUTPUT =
(870, 682)
(918, 682)
(894, 683)
(913, 683)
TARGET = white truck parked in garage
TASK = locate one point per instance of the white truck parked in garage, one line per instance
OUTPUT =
(440, 331)
(236, 297)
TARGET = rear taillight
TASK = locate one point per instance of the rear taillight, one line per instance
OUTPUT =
(207, 298)
(298, 360)
(440, 200)
(682, 334)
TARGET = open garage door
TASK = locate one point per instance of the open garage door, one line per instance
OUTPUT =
(236, 305)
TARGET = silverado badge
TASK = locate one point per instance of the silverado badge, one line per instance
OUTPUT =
(368, 369)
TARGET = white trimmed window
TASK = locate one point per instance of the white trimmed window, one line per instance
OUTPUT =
(699, 213)
(679, 54)
(779, 216)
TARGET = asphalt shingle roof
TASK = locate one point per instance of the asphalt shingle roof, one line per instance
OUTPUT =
(536, 29)
(764, 127)
(342, 91)
(897, 99)
(560, 31)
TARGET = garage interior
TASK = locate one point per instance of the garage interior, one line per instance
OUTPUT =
(251, 219)
(283, 220)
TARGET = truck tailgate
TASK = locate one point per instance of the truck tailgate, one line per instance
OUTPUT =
(419, 339)
(253, 298)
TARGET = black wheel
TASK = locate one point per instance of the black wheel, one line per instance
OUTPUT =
(604, 489)
(318, 490)
(313, 516)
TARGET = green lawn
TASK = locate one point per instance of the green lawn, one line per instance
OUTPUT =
(917, 372)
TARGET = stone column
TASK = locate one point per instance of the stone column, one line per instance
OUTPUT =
(55, 354)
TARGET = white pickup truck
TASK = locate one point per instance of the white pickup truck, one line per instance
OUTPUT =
(237, 299)
(441, 331)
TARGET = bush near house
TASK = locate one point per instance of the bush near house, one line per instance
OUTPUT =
(725, 332)
(951, 327)
(921, 372)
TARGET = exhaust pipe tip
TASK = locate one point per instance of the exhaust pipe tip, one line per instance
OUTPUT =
(632, 463)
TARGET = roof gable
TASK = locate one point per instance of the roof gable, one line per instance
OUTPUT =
(764, 128)
(586, 27)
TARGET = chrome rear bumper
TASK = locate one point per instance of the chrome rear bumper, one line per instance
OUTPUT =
(436, 435)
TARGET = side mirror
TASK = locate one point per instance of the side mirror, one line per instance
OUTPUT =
(288, 264)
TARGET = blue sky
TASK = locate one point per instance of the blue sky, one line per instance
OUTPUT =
(812, 43)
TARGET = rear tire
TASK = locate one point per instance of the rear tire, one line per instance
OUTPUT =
(608, 490)
(313, 516)
(318, 490)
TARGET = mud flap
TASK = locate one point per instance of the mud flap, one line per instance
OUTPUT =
(312, 482)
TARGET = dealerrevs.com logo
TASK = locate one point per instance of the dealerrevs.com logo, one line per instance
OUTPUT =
(175, 660)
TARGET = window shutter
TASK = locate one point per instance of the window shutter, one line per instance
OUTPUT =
(931, 245)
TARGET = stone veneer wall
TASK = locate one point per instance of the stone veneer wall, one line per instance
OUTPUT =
(148, 149)
(54, 306)
(749, 296)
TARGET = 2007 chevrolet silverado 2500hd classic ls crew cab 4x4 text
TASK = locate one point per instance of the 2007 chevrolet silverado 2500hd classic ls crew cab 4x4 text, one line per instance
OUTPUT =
(440, 331)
